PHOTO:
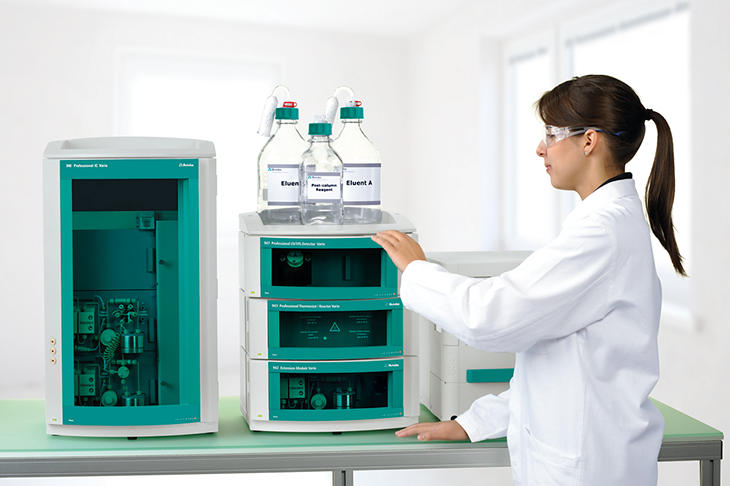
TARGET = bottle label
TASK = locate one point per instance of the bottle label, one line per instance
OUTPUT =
(323, 186)
(361, 184)
(283, 184)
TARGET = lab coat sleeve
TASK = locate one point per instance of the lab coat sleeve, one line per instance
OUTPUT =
(487, 418)
(556, 291)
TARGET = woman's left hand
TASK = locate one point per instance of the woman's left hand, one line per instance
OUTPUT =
(447, 430)
(401, 248)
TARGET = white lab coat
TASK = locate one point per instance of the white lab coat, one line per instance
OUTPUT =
(582, 315)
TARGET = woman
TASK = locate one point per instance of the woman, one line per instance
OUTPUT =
(582, 313)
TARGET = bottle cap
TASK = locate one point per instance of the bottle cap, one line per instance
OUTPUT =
(288, 111)
(320, 126)
(353, 111)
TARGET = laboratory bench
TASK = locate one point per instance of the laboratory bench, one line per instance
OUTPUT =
(26, 450)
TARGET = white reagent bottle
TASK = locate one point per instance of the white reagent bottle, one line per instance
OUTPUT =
(362, 167)
(320, 177)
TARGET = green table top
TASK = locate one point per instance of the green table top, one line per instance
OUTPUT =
(681, 427)
(24, 436)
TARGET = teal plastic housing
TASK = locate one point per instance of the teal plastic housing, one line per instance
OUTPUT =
(495, 375)
(172, 351)
(326, 268)
(328, 375)
(322, 330)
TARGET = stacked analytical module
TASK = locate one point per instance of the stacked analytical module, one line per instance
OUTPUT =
(326, 344)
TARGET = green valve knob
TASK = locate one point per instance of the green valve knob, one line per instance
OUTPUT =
(318, 401)
(295, 259)
(123, 372)
(109, 398)
(107, 336)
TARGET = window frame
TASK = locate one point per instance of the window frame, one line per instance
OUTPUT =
(524, 47)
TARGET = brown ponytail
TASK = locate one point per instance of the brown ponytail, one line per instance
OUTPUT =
(659, 194)
(605, 102)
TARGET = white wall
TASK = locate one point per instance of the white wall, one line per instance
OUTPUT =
(446, 178)
(57, 78)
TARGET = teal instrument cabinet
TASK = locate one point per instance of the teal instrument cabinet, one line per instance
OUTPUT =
(326, 344)
(130, 287)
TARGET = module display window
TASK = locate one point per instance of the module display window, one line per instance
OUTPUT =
(326, 268)
(328, 330)
(342, 391)
(339, 268)
(345, 390)
(333, 329)
(125, 293)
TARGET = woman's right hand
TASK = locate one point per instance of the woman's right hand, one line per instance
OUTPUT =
(401, 248)
(447, 430)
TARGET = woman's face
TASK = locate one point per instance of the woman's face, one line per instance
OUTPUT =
(564, 161)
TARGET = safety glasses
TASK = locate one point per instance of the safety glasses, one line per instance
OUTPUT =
(554, 134)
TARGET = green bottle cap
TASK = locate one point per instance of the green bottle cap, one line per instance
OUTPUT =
(351, 112)
(286, 113)
(320, 128)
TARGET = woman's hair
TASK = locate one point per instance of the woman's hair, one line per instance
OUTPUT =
(605, 102)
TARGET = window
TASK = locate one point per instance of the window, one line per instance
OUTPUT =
(532, 205)
(529, 224)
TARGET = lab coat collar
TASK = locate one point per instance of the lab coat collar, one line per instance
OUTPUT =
(600, 198)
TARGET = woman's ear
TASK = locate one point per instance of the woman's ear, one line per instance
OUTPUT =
(590, 139)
